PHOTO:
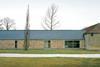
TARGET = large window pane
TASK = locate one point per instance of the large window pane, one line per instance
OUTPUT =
(71, 44)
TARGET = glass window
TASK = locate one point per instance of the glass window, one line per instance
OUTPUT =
(71, 44)
(92, 34)
(47, 44)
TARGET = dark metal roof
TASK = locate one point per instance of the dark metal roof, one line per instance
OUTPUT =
(43, 34)
(93, 29)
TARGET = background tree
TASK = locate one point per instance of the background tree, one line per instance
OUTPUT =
(50, 20)
(7, 24)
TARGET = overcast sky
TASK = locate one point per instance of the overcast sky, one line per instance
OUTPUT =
(72, 14)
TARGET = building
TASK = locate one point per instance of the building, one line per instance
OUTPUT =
(92, 37)
(88, 38)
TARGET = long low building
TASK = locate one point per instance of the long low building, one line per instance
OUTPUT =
(89, 38)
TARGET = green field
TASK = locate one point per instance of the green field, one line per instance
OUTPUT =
(49, 62)
(52, 51)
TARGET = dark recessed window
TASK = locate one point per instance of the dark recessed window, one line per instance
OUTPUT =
(15, 43)
(92, 34)
(49, 43)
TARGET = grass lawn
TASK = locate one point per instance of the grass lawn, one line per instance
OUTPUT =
(52, 51)
(49, 62)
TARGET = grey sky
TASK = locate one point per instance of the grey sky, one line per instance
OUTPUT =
(72, 14)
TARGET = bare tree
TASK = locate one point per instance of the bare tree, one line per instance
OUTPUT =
(50, 20)
(1, 25)
(27, 31)
(7, 23)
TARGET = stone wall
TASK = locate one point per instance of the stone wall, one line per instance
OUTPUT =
(92, 41)
(10, 44)
(20, 44)
(57, 43)
(82, 44)
(36, 44)
(7, 44)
